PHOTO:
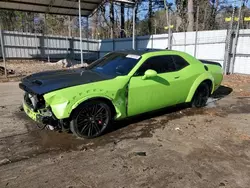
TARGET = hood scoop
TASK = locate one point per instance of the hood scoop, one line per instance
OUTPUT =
(37, 82)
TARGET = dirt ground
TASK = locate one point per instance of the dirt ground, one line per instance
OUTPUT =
(23, 68)
(177, 147)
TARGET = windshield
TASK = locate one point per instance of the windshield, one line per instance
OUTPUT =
(115, 64)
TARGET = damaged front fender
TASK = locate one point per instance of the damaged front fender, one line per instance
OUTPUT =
(57, 103)
(63, 102)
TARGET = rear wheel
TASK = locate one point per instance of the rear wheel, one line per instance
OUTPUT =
(90, 119)
(201, 96)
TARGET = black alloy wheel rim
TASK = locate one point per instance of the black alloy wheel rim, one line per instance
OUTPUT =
(202, 96)
(92, 120)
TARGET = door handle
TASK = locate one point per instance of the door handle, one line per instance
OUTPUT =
(176, 77)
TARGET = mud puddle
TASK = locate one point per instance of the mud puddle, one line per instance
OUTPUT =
(242, 106)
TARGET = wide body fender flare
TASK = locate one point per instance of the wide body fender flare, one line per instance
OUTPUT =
(203, 77)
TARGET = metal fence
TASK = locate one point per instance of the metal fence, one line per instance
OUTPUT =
(210, 44)
(19, 45)
(207, 45)
(141, 42)
(241, 64)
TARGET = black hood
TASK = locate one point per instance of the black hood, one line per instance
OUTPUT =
(44, 82)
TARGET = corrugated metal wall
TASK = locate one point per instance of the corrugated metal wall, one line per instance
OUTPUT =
(211, 44)
(28, 45)
(242, 59)
(142, 42)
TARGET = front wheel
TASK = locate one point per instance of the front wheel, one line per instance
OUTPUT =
(201, 96)
(90, 119)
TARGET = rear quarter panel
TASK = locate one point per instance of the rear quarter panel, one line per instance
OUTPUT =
(202, 77)
(195, 74)
(217, 73)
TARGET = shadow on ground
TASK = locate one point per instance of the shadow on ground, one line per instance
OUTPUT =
(171, 113)
(222, 91)
(151, 120)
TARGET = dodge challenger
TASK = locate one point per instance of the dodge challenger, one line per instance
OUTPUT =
(119, 85)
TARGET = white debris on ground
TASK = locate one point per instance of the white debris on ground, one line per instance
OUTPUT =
(69, 63)
(17, 69)
(211, 103)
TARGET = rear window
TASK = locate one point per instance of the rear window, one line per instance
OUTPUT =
(180, 63)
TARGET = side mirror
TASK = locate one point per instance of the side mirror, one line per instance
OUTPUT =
(149, 74)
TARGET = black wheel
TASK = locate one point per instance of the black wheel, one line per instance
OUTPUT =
(90, 119)
(201, 96)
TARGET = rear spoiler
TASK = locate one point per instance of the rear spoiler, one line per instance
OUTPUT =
(209, 62)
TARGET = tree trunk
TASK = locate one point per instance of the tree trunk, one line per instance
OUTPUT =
(178, 23)
(205, 18)
(136, 12)
(95, 26)
(190, 15)
(150, 15)
(112, 19)
(213, 15)
(122, 35)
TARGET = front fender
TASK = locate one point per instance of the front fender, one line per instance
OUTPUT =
(197, 82)
(118, 103)
(63, 106)
(58, 104)
(77, 103)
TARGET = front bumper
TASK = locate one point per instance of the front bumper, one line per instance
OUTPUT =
(38, 116)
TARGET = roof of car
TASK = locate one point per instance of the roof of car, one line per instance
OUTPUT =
(140, 51)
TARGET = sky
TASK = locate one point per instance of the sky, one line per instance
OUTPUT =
(144, 12)
(232, 2)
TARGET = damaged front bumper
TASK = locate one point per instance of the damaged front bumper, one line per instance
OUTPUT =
(40, 115)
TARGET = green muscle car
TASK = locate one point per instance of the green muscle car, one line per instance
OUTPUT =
(119, 85)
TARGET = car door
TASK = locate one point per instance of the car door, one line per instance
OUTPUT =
(154, 93)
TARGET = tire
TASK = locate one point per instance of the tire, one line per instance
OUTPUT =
(201, 96)
(90, 119)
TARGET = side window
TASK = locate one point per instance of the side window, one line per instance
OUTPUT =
(161, 64)
(180, 63)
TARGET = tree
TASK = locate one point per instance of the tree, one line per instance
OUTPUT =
(112, 19)
(123, 34)
(20, 21)
(190, 15)
(115, 20)
(150, 16)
